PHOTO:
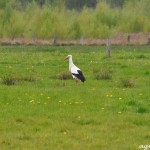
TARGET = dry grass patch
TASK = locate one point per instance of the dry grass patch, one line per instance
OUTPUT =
(13, 80)
(128, 83)
(103, 74)
(64, 76)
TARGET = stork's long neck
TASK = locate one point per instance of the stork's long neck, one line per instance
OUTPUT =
(70, 63)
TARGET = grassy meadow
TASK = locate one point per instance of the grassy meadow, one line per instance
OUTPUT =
(43, 109)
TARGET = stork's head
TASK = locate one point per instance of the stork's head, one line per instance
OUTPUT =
(68, 57)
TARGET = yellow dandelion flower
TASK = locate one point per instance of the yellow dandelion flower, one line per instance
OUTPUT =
(32, 101)
(93, 89)
(10, 67)
(102, 108)
(60, 101)
(65, 132)
(120, 98)
(48, 97)
(119, 112)
(41, 94)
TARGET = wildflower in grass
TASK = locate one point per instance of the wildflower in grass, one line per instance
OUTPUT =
(48, 97)
(10, 67)
(102, 108)
(120, 98)
(111, 95)
(140, 94)
(45, 103)
(41, 94)
(60, 101)
(32, 101)
(38, 102)
(76, 102)
(65, 132)
(119, 112)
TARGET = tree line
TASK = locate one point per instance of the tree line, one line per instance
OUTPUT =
(73, 19)
(69, 4)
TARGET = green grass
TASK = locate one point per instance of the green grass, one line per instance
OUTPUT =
(42, 111)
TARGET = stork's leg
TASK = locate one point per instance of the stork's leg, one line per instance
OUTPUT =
(76, 81)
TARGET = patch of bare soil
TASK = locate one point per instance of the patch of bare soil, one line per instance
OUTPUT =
(120, 39)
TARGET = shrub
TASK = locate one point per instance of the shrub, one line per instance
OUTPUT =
(64, 76)
(147, 72)
(128, 83)
(13, 80)
(8, 80)
(103, 74)
(131, 103)
(142, 109)
(142, 56)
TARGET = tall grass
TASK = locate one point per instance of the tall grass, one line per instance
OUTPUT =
(101, 22)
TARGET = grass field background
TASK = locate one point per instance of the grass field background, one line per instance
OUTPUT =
(40, 111)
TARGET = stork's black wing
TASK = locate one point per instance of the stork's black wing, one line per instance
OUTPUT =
(80, 75)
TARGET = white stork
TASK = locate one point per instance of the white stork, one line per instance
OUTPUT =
(75, 71)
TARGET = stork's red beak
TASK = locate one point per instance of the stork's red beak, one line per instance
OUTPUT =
(66, 58)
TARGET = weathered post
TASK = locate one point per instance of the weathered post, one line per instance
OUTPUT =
(129, 37)
(81, 40)
(34, 38)
(108, 48)
(148, 42)
(55, 39)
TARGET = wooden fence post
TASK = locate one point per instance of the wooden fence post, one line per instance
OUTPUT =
(129, 37)
(148, 42)
(108, 48)
(55, 39)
